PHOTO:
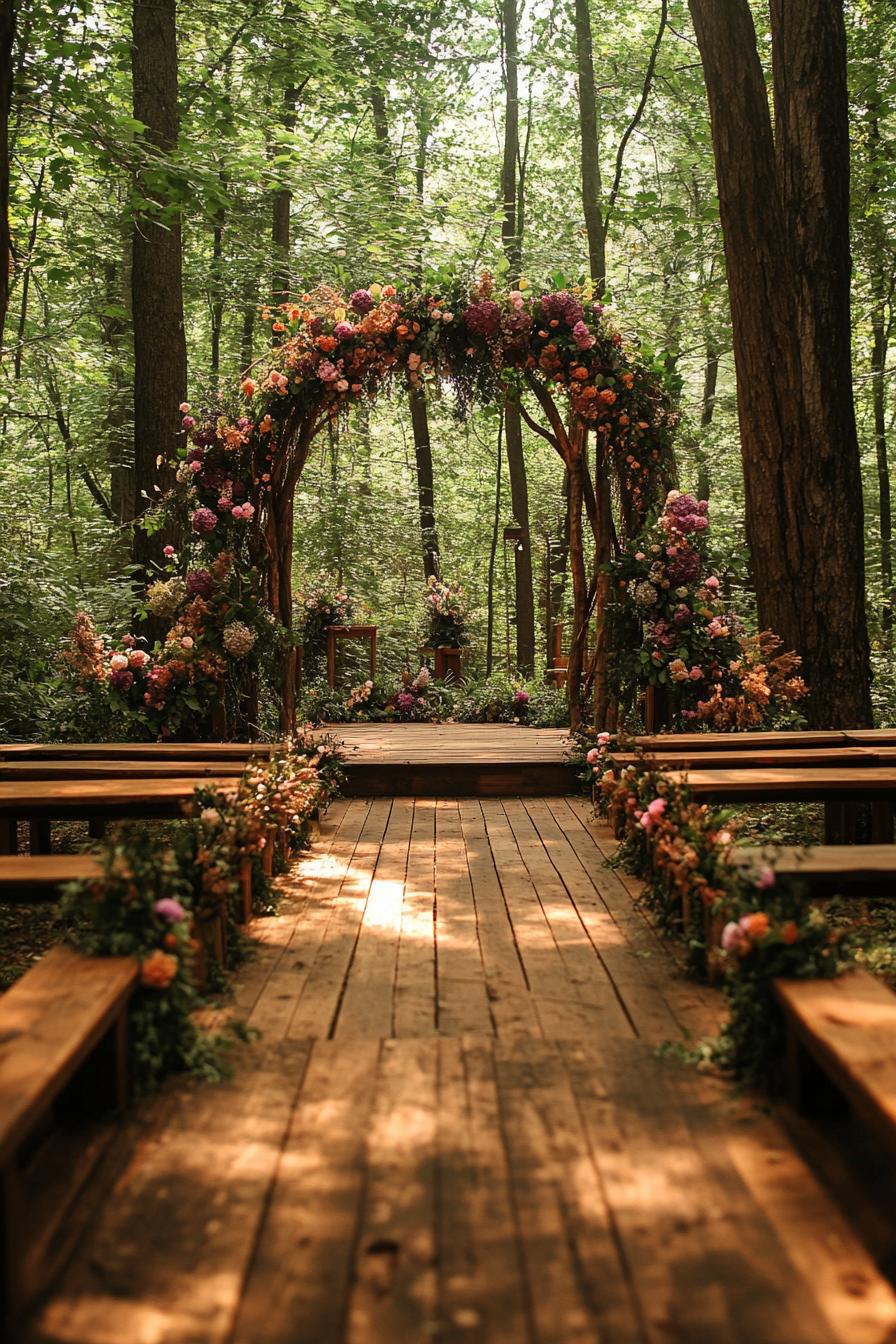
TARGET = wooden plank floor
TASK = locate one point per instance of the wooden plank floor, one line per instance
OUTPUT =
(451, 743)
(455, 1126)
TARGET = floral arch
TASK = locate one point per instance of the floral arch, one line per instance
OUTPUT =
(560, 352)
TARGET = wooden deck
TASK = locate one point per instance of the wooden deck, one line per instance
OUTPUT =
(451, 760)
(455, 1126)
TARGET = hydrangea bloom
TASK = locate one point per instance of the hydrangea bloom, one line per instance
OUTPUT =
(239, 639)
(404, 702)
(199, 583)
(204, 521)
(361, 301)
(170, 910)
(483, 318)
(562, 307)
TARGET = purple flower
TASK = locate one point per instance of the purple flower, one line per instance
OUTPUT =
(518, 323)
(483, 318)
(521, 697)
(562, 307)
(121, 679)
(343, 331)
(199, 583)
(361, 301)
(683, 567)
(404, 702)
(204, 521)
(682, 614)
(170, 910)
(582, 336)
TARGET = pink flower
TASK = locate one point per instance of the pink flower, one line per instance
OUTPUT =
(168, 552)
(184, 407)
(327, 372)
(343, 331)
(696, 673)
(653, 813)
(137, 658)
(170, 910)
(712, 583)
(121, 679)
(342, 385)
(582, 336)
(118, 662)
(732, 937)
(128, 641)
(603, 739)
(195, 467)
(188, 422)
(593, 756)
(765, 878)
(187, 642)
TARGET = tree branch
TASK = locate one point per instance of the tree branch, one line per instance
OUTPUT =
(639, 111)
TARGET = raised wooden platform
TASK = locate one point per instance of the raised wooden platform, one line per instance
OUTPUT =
(456, 1126)
(454, 760)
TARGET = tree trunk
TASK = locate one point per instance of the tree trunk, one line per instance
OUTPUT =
(602, 555)
(575, 501)
(522, 551)
(281, 226)
(492, 558)
(119, 403)
(425, 487)
(511, 235)
(7, 38)
(160, 352)
(217, 295)
(879, 347)
(785, 220)
(707, 411)
(590, 158)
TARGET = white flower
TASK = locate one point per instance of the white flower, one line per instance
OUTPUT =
(239, 639)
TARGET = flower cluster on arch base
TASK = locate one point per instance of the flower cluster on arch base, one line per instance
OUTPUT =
(689, 638)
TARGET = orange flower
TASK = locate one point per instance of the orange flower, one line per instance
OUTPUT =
(581, 373)
(789, 932)
(607, 396)
(755, 926)
(158, 970)
(277, 326)
(248, 387)
(327, 344)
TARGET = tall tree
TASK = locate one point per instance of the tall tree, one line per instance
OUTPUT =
(7, 39)
(160, 352)
(788, 258)
(512, 237)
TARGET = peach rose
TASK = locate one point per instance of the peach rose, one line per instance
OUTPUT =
(158, 970)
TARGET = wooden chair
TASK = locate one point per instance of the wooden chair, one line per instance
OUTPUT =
(63, 1070)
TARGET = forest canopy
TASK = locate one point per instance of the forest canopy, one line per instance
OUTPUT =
(180, 173)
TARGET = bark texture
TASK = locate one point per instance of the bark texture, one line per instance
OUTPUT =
(7, 38)
(160, 352)
(784, 201)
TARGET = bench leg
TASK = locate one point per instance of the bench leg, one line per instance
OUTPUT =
(96, 828)
(9, 835)
(882, 823)
(40, 839)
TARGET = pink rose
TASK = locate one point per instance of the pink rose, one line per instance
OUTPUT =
(712, 583)
(184, 407)
(732, 937)
(168, 552)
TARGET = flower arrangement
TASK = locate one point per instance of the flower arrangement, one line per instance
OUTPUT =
(320, 608)
(683, 636)
(152, 898)
(750, 924)
(446, 610)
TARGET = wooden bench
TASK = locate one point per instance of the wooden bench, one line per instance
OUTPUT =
(757, 741)
(136, 751)
(27, 877)
(846, 1029)
(754, 758)
(63, 1068)
(115, 769)
(827, 870)
(834, 786)
(97, 801)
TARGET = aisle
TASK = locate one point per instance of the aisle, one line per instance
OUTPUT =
(455, 1126)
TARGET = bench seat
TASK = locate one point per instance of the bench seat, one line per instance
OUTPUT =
(847, 1026)
(853, 869)
(63, 1062)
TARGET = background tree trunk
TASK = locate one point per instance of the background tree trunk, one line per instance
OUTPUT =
(511, 234)
(785, 219)
(7, 38)
(160, 352)
(281, 213)
(425, 485)
(592, 189)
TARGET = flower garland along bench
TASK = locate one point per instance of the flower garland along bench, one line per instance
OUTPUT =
(752, 924)
(83, 1028)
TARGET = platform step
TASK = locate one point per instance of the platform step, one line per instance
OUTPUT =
(456, 779)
